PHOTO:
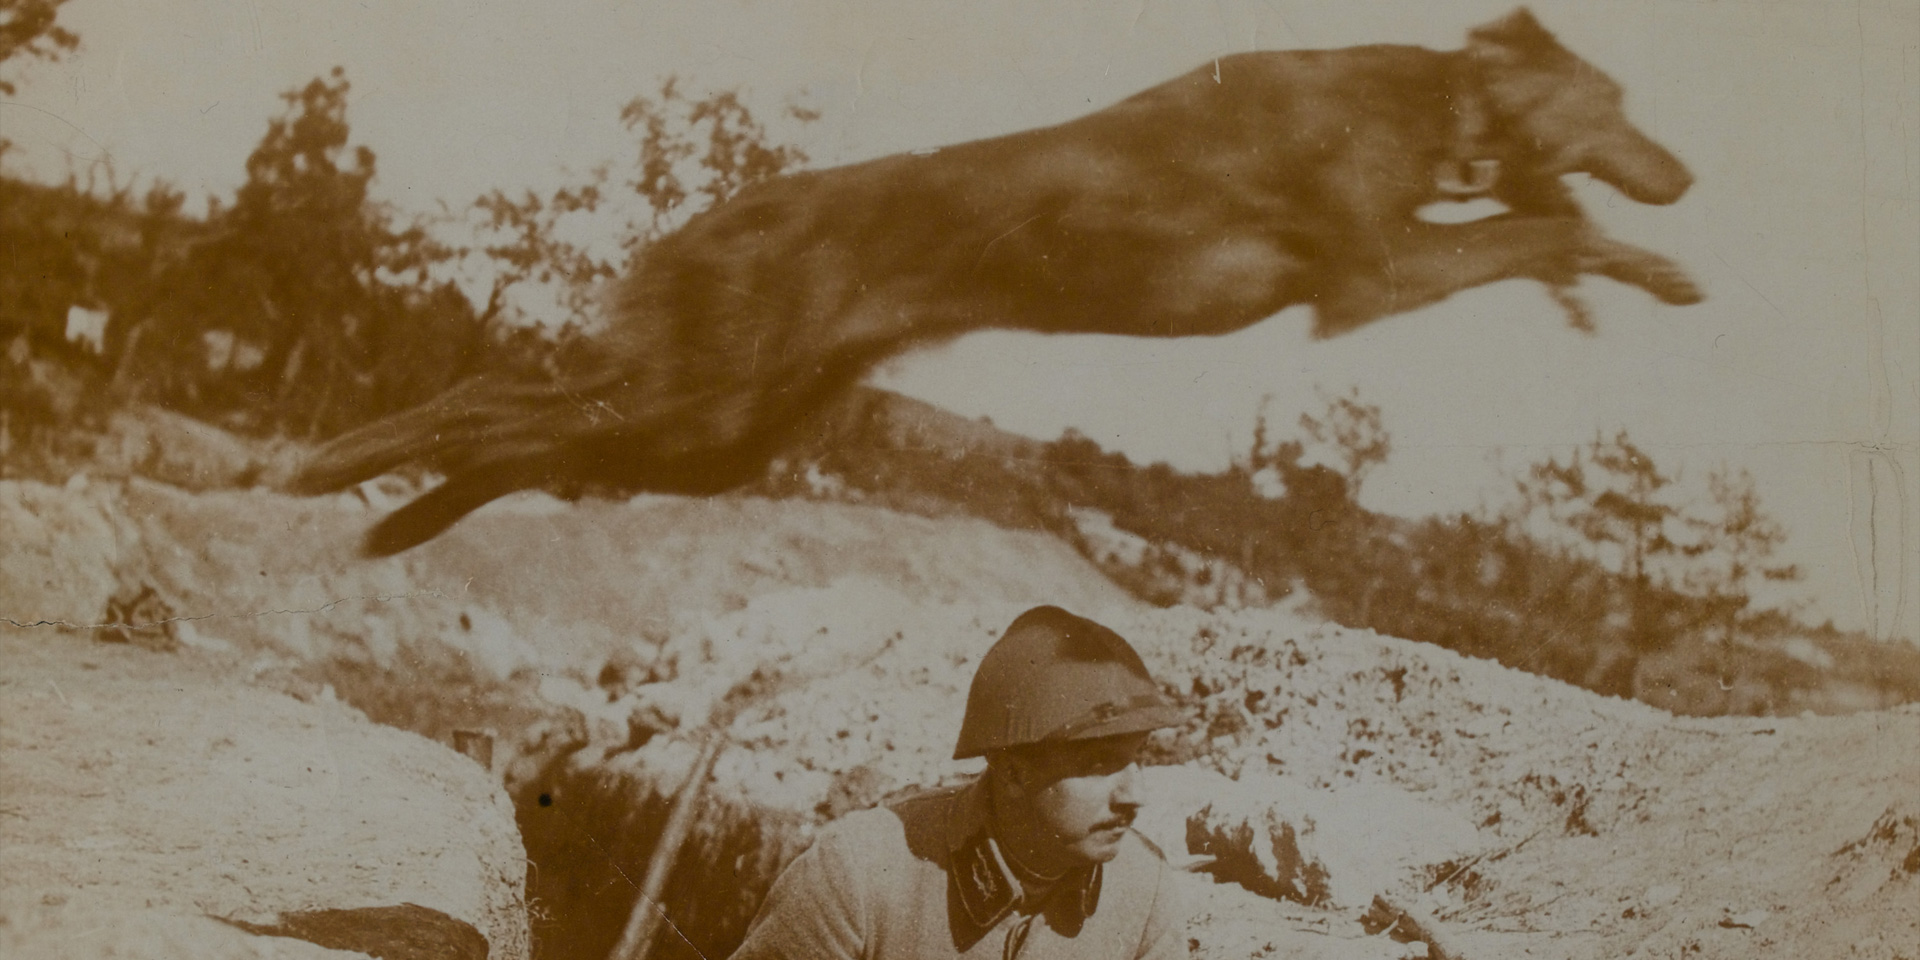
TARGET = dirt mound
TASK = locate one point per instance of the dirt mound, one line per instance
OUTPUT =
(831, 647)
(149, 782)
(529, 583)
(1605, 826)
(57, 558)
(523, 606)
(1520, 813)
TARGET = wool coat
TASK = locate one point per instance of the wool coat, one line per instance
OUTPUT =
(924, 880)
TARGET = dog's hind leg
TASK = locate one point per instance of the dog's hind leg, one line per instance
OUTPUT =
(430, 514)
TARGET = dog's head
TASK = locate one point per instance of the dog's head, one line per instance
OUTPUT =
(1566, 113)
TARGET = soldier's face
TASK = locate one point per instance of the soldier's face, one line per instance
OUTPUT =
(1083, 795)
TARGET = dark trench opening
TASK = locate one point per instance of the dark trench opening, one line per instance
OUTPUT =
(589, 845)
(589, 830)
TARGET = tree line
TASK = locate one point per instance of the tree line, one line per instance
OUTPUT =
(1597, 568)
(301, 307)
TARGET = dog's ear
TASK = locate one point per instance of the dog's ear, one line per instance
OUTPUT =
(1515, 35)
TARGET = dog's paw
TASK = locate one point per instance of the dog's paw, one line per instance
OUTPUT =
(1667, 281)
(1659, 276)
(1670, 284)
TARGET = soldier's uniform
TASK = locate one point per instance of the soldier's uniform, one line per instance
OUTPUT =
(926, 878)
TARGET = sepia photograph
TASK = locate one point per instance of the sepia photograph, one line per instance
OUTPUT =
(1021, 479)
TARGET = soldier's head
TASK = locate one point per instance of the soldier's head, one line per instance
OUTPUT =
(1060, 707)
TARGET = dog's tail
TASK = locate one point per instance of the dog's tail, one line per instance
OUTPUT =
(489, 436)
(480, 420)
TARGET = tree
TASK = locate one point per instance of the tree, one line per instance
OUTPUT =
(1611, 498)
(28, 29)
(691, 155)
(1611, 495)
(528, 248)
(1349, 431)
(675, 166)
(1735, 543)
(306, 309)
(1316, 529)
(1354, 432)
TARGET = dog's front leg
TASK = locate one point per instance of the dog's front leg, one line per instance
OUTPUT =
(1428, 262)
(1411, 264)
(1632, 265)
(1629, 265)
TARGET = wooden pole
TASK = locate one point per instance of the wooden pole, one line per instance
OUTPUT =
(643, 924)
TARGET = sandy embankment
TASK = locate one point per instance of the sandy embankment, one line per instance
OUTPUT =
(145, 791)
(1530, 818)
(257, 593)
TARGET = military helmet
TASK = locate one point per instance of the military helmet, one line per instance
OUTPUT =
(1055, 676)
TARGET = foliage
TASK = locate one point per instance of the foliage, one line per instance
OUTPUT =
(29, 30)
(1735, 546)
(1489, 585)
(41, 400)
(691, 154)
(1354, 432)
(302, 307)
(674, 166)
(60, 242)
(528, 248)
(1677, 564)
(1610, 494)
(1613, 499)
(306, 308)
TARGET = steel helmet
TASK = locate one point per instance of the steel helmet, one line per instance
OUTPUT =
(1055, 676)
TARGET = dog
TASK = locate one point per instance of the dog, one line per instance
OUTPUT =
(1198, 207)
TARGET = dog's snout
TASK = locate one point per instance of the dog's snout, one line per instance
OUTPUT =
(1645, 171)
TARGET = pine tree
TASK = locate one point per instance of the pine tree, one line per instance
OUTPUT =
(1734, 547)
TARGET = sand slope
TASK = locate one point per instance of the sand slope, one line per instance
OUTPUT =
(1523, 817)
(144, 790)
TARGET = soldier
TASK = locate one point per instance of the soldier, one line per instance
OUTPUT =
(1035, 858)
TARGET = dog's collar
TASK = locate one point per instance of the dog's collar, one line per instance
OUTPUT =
(1471, 167)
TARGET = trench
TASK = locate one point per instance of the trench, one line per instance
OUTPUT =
(590, 833)
(590, 823)
(592, 802)
(591, 814)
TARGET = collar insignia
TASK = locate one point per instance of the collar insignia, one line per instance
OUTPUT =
(985, 888)
(986, 891)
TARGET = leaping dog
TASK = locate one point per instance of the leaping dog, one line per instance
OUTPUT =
(1198, 207)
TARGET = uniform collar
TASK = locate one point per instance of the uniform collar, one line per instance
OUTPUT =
(978, 873)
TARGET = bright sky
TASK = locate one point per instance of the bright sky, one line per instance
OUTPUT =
(1799, 118)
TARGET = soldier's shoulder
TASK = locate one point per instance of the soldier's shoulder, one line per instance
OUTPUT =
(862, 828)
(931, 797)
(899, 820)
(887, 837)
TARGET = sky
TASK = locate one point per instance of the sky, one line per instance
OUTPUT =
(1800, 120)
